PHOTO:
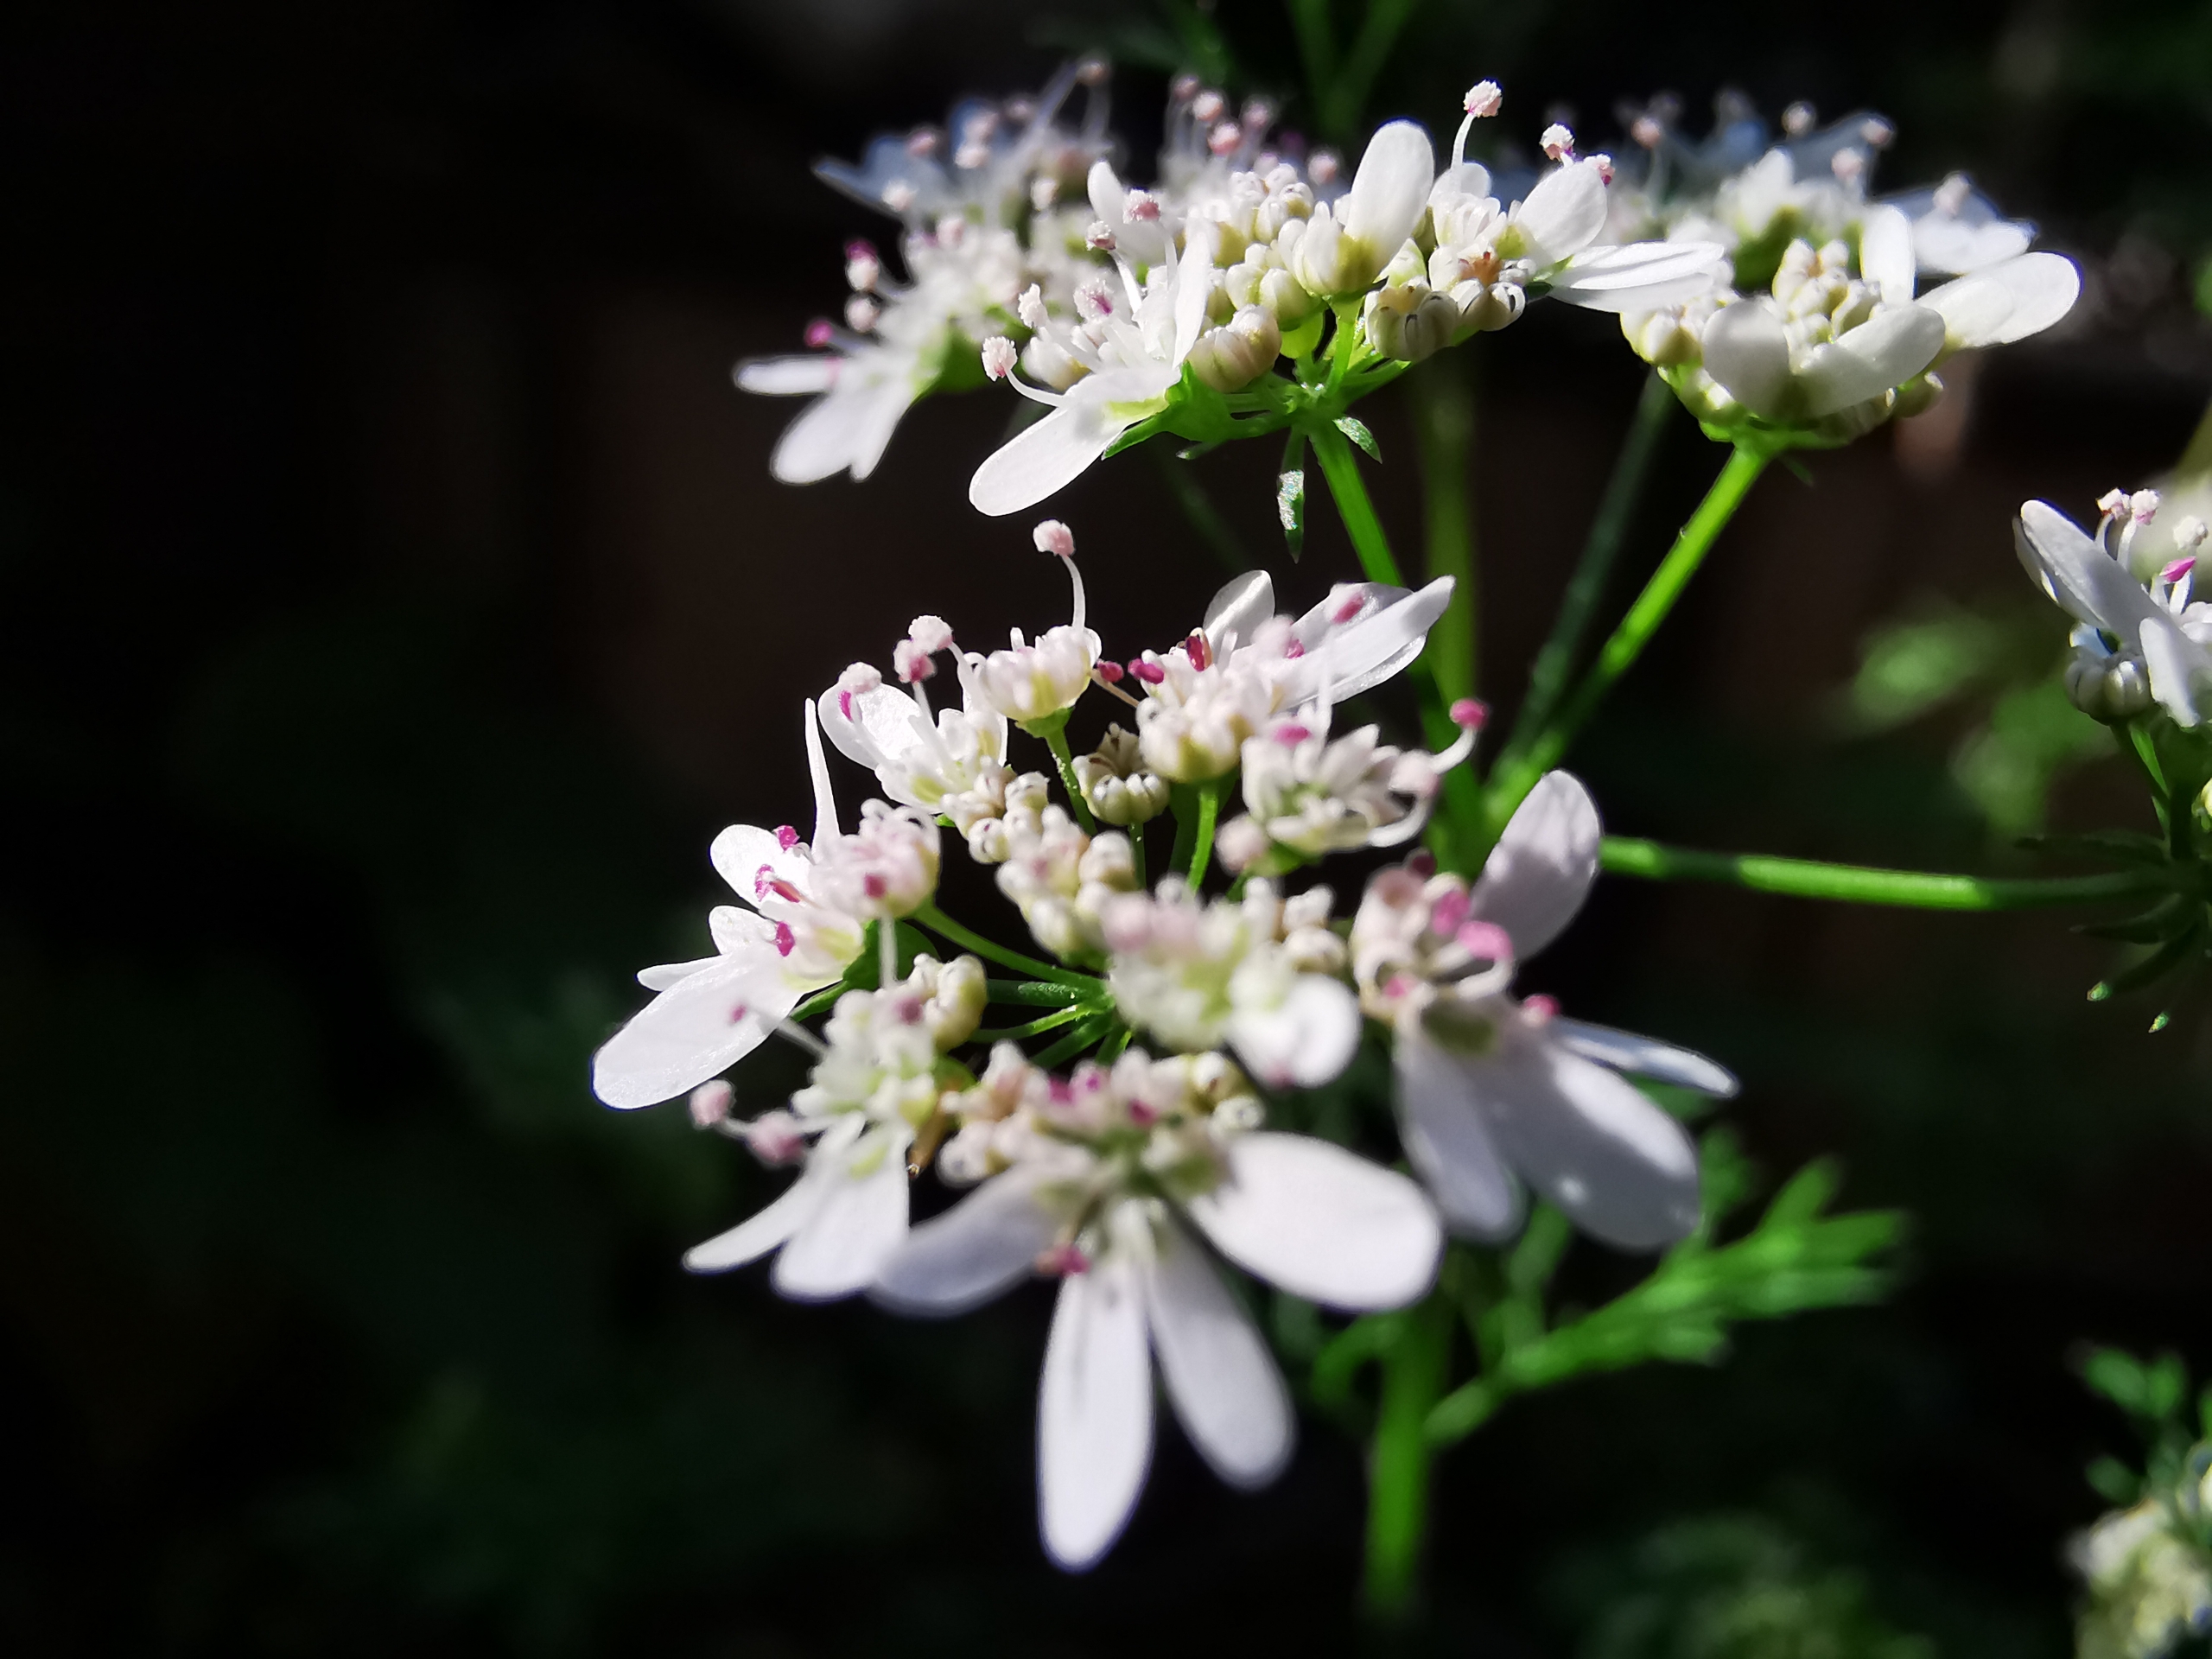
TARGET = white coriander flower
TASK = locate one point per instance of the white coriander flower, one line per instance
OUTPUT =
(1032, 683)
(886, 869)
(1956, 228)
(2141, 638)
(1342, 246)
(955, 765)
(1115, 785)
(795, 939)
(1306, 796)
(1197, 976)
(875, 1087)
(1109, 1180)
(1492, 1090)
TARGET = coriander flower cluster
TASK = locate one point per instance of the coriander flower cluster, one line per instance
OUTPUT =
(1129, 1125)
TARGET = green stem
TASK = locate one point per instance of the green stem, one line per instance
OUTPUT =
(1075, 1041)
(1443, 414)
(1510, 784)
(1056, 740)
(1183, 802)
(1547, 679)
(1414, 1374)
(1202, 843)
(945, 928)
(1197, 507)
(1855, 884)
(1333, 451)
(1032, 993)
(1038, 1026)
(820, 1002)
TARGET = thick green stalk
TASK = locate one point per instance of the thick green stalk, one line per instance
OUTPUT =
(1857, 885)
(1510, 784)
(1036, 1027)
(1333, 451)
(1084, 1036)
(945, 928)
(1056, 740)
(1547, 679)
(1414, 1364)
(1443, 414)
(1202, 842)
(1034, 994)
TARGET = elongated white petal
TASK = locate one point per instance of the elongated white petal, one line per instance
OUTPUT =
(2085, 580)
(1590, 1141)
(2177, 666)
(1886, 350)
(839, 1249)
(1193, 289)
(884, 724)
(2007, 301)
(825, 798)
(1885, 254)
(818, 444)
(1391, 187)
(1746, 351)
(1353, 659)
(1948, 247)
(1094, 1413)
(660, 978)
(788, 377)
(1565, 211)
(754, 1237)
(980, 1248)
(875, 416)
(1641, 276)
(1108, 197)
(1322, 1222)
(1624, 1051)
(1044, 459)
(698, 1028)
(1449, 1146)
(1537, 876)
(1306, 1042)
(1240, 607)
(736, 932)
(1227, 1392)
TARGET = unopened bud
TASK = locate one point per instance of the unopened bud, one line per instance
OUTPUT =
(1410, 321)
(710, 1102)
(1241, 843)
(1232, 356)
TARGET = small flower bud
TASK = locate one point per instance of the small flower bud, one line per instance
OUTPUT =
(1241, 843)
(710, 1102)
(1232, 356)
(988, 841)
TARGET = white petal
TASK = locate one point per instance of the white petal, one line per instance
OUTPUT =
(1886, 350)
(1094, 1412)
(1624, 1051)
(1363, 654)
(1044, 459)
(884, 725)
(874, 418)
(1227, 1392)
(1322, 1222)
(1193, 289)
(981, 1247)
(2177, 666)
(751, 1239)
(696, 1029)
(1746, 351)
(2036, 290)
(1592, 1142)
(1306, 1042)
(2086, 581)
(1464, 179)
(1537, 876)
(825, 798)
(1108, 198)
(840, 1248)
(1391, 187)
(1448, 1142)
(1885, 254)
(816, 445)
(1240, 607)
(1565, 211)
(674, 973)
(1641, 276)
(736, 932)
(1947, 246)
(788, 377)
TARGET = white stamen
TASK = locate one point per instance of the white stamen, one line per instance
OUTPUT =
(1951, 194)
(999, 357)
(1797, 119)
(1558, 142)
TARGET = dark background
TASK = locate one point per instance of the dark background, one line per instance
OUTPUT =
(394, 602)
